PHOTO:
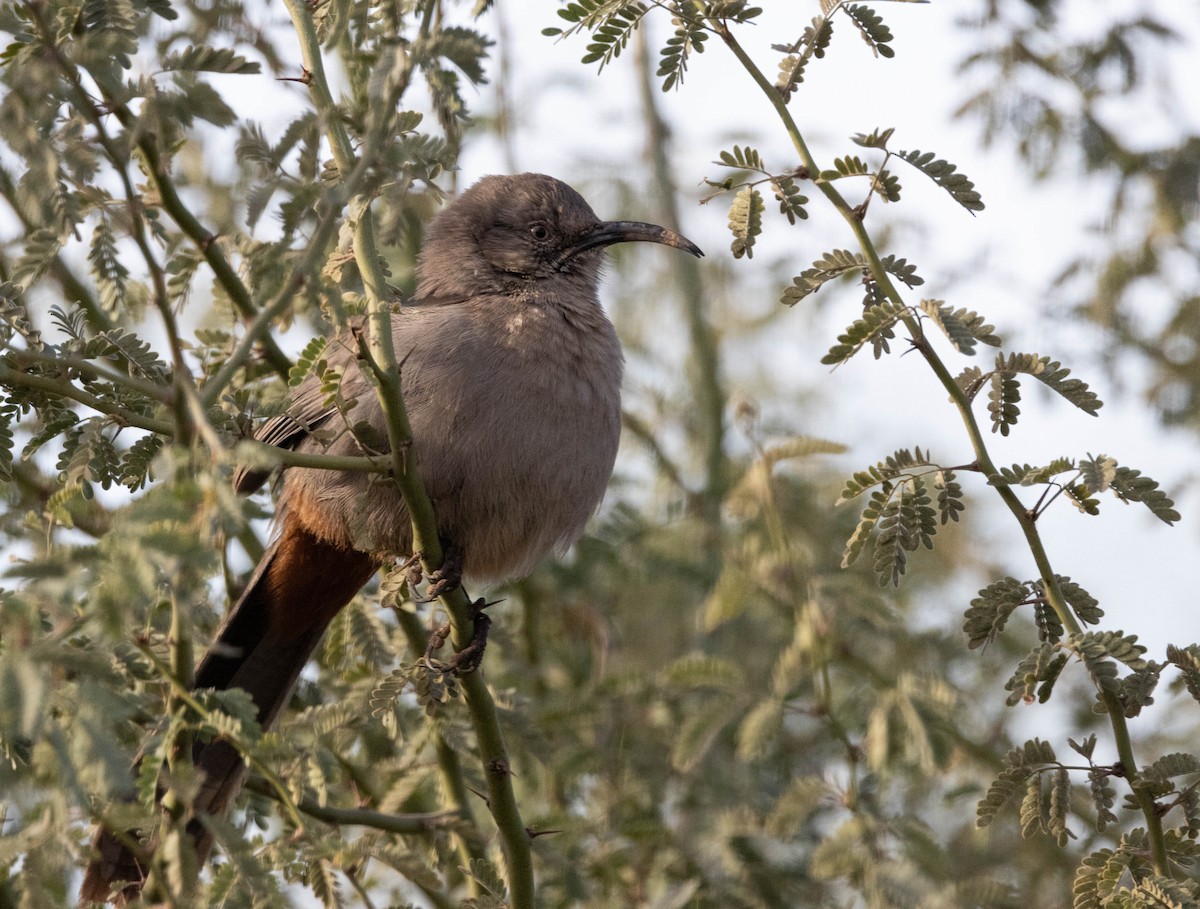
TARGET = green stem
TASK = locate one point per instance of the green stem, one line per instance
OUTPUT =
(402, 824)
(185, 696)
(204, 240)
(117, 157)
(289, 458)
(179, 758)
(86, 514)
(74, 290)
(449, 767)
(1025, 519)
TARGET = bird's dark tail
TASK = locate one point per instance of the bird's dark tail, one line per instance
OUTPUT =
(300, 584)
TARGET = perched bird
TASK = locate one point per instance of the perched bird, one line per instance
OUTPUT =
(511, 376)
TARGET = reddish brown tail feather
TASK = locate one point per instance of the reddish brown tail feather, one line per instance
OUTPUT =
(299, 586)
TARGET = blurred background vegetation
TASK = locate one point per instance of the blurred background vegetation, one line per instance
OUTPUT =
(703, 708)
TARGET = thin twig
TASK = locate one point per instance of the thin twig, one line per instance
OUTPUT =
(96, 369)
(11, 377)
(401, 824)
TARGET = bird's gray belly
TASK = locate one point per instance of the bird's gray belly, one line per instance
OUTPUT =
(535, 473)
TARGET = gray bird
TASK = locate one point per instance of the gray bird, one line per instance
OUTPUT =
(511, 377)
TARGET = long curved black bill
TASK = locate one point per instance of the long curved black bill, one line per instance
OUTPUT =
(606, 233)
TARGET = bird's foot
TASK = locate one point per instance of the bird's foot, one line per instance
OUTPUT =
(440, 582)
(470, 657)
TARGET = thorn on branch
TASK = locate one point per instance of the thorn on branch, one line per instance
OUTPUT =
(305, 77)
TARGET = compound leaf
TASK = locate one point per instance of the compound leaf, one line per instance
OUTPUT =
(963, 328)
(945, 175)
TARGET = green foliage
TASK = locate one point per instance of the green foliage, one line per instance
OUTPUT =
(811, 45)
(1020, 765)
(1053, 375)
(1082, 603)
(108, 270)
(949, 496)
(1129, 485)
(877, 138)
(1097, 650)
(119, 397)
(307, 361)
(831, 265)
(849, 166)
(1187, 661)
(791, 201)
(1084, 103)
(874, 326)
(990, 610)
(41, 248)
(964, 328)
(887, 185)
(745, 158)
(610, 25)
(1028, 475)
(902, 270)
(872, 28)
(837, 263)
(745, 221)
(209, 59)
(945, 175)
(900, 515)
(688, 39)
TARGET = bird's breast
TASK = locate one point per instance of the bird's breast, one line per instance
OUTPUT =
(537, 427)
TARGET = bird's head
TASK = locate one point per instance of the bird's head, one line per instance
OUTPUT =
(508, 231)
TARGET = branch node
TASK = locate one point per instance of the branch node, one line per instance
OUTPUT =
(499, 767)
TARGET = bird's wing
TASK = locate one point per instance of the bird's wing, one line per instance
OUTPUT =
(307, 408)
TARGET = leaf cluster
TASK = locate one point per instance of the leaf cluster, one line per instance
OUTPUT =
(1087, 477)
(901, 514)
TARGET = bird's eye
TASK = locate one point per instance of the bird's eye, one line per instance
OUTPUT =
(539, 231)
